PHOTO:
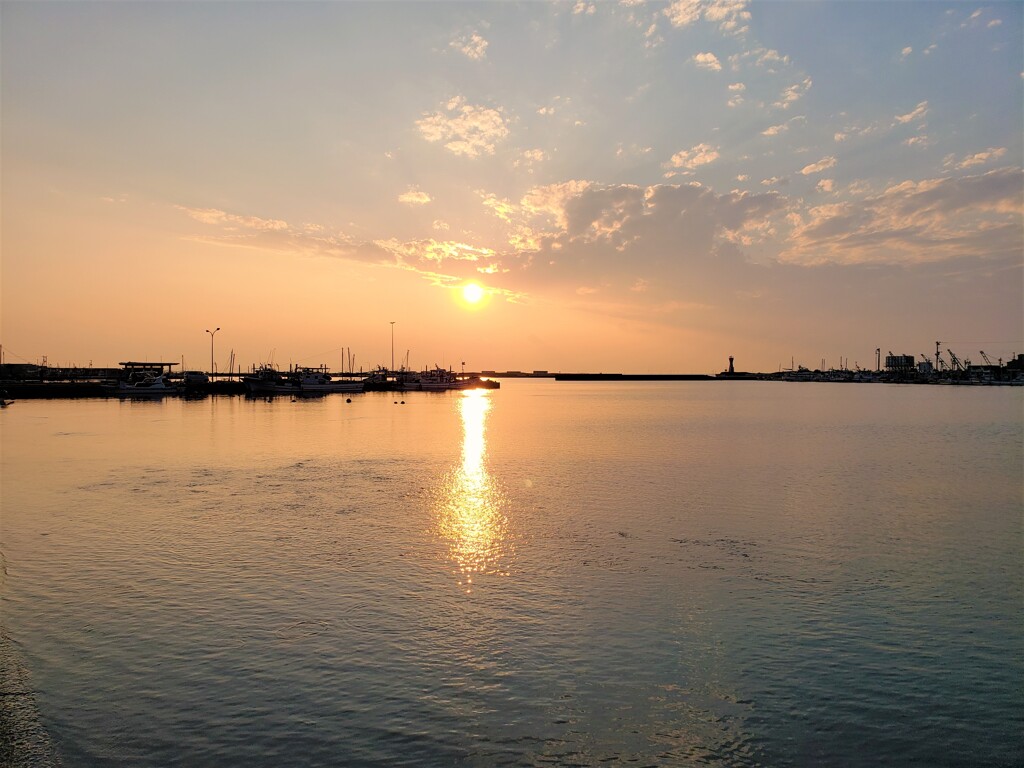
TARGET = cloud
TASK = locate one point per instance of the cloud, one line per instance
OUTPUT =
(473, 46)
(275, 235)
(767, 59)
(413, 196)
(979, 158)
(702, 154)
(824, 164)
(906, 52)
(633, 150)
(431, 251)
(503, 209)
(916, 222)
(775, 130)
(730, 15)
(467, 130)
(529, 158)
(231, 222)
(794, 93)
(682, 13)
(583, 7)
(707, 61)
(826, 185)
(550, 200)
(919, 141)
(920, 111)
(736, 89)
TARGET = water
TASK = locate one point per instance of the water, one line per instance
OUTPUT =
(678, 573)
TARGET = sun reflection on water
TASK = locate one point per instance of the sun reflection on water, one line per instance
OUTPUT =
(470, 518)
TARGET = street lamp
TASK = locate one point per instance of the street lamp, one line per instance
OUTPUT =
(392, 345)
(212, 334)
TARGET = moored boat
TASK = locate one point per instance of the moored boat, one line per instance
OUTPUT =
(146, 386)
(300, 381)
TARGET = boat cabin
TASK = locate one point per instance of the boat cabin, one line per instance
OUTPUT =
(137, 371)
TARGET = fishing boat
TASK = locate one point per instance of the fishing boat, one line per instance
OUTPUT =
(314, 380)
(475, 382)
(441, 380)
(299, 381)
(146, 386)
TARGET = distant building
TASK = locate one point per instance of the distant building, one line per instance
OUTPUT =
(900, 362)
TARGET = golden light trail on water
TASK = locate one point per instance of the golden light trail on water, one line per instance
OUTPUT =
(469, 516)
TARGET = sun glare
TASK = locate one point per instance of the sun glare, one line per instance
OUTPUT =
(472, 293)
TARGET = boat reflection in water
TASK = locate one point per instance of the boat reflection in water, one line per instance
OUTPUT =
(469, 514)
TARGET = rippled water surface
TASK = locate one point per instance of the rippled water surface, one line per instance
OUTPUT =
(691, 573)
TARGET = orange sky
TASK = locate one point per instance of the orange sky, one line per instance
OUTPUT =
(638, 188)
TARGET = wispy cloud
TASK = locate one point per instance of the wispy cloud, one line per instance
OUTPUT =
(919, 112)
(707, 61)
(683, 13)
(413, 196)
(702, 154)
(978, 158)
(793, 93)
(915, 222)
(233, 222)
(473, 46)
(731, 16)
(466, 129)
(824, 164)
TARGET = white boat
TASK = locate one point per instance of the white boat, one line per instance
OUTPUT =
(299, 382)
(440, 380)
(147, 386)
(312, 380)
(437, 380)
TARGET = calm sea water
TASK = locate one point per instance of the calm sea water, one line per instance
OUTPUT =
(692, 573)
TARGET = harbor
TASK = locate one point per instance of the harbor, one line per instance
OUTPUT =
(138, 379)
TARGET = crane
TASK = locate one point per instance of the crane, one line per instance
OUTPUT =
(985, 358)
(957, 365)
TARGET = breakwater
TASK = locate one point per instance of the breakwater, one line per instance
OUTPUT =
(633, 377)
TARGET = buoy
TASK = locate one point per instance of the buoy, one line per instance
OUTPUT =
(403, 402)
(348, 399)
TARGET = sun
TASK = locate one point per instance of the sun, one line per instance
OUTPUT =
(472, 293)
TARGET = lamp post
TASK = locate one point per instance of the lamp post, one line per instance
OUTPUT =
(392, 345)
(212, 334)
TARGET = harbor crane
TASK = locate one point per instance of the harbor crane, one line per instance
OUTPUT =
(958, 365)
(985, 358)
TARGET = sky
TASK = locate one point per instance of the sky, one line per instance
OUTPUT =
(643, 187)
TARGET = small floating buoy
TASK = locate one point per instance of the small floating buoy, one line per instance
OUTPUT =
(396, 402)
(403, 402)
(348, 399)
